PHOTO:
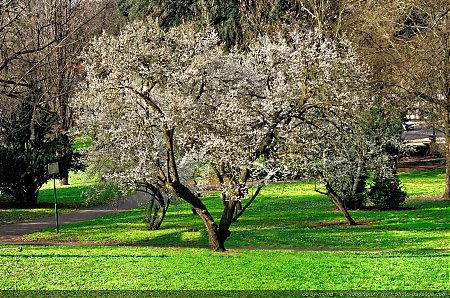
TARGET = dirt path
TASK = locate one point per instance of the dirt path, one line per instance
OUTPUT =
(408, 164)
(13, 233)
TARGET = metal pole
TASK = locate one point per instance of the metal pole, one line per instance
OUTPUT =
(56, 204)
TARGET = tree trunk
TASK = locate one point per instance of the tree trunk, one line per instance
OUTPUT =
(183, 192)
(148, 214)
(446, 93)
(227, 219)
(153, 218)
(31, 197)
(214, 239)
(337, 200)
(358, 176)
(64, 176)
(447, 156)
(162, 213)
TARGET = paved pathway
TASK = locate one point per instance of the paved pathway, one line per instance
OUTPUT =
(12, 233)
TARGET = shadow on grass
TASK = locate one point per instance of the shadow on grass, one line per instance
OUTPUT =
(280, 217)
(187, 230)
(56, 256)
(8, 216)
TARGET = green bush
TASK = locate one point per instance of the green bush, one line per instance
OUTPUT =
(386, 193)
(355, 201)
(27, 144)
(22, 172)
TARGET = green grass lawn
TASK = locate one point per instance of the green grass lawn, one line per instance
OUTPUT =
(424, 183)
(67, 195)
(131, 268)
(70, 197)
(284, 216)
(310, 247)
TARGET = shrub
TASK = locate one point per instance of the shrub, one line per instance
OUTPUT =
(355, 201)
(27, 144)
(386, 193)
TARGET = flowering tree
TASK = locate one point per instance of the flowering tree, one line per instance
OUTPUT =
(370, 142)
(160, 103)
(135, 99)
(264, 104)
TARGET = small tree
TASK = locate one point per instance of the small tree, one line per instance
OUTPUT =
(23, 159)
(373, 144)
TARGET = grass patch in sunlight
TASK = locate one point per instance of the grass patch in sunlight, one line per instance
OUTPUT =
(70, 197)
(146, 268)
(283, 216)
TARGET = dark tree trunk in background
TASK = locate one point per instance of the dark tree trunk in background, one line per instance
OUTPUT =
(447, 157)
(64, 176)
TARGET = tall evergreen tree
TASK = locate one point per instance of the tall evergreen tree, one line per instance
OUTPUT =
(238, 21)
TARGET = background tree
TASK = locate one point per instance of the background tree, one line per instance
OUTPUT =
(368, 145)
(40, 41)
(407, 44)
(74, 23)
(240, 21)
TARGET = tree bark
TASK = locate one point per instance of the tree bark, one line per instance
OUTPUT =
(215, 241)
(148, 214)
(446, 94)
(64, 176)
(162, 213)
(447, 156)
(358, 176)
(227, 219)
(337, 200)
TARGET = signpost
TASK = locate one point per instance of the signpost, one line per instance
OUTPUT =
(53, 169)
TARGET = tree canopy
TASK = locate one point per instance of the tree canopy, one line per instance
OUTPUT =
(160, 103)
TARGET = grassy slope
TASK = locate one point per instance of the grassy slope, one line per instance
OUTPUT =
(68, 194)
(424, 183)
(132, 268)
